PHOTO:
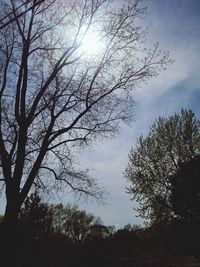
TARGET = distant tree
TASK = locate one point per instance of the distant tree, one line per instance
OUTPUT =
(128, 227)
(185, 191)
(99, 231)
(133, 227)
(156, 158)
(111, 229)
(79, 225)
(59, 213)
(54, 98)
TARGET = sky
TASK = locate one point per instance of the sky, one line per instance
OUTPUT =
(175, 24)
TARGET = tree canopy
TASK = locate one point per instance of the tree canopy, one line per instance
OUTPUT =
(156, 157)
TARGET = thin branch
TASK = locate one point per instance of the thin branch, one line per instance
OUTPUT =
(16, 17)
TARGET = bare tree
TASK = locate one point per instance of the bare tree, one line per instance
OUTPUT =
(54, 98)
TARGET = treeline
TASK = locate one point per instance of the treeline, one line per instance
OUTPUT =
(57, 235)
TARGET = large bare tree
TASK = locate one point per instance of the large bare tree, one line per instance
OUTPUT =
(54, 97)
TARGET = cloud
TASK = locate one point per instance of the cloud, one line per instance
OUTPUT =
(175, 24)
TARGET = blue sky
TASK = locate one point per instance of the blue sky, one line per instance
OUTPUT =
(175, 24)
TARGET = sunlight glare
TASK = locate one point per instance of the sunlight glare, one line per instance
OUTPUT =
(91, 44)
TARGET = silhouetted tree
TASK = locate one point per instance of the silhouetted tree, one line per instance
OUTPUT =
(185, 202)
(36, 218)
(54, 98)
(156, 158)
(185, 192)
(33, 232)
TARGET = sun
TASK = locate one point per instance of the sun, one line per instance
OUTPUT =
(91, 43)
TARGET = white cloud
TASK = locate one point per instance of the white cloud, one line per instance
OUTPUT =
(107, 160)
(176, 32)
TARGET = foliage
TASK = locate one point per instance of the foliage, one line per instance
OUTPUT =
(54, 99)
(156, 158)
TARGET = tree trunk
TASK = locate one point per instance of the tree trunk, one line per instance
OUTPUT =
(10, 234)
(11, 213)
